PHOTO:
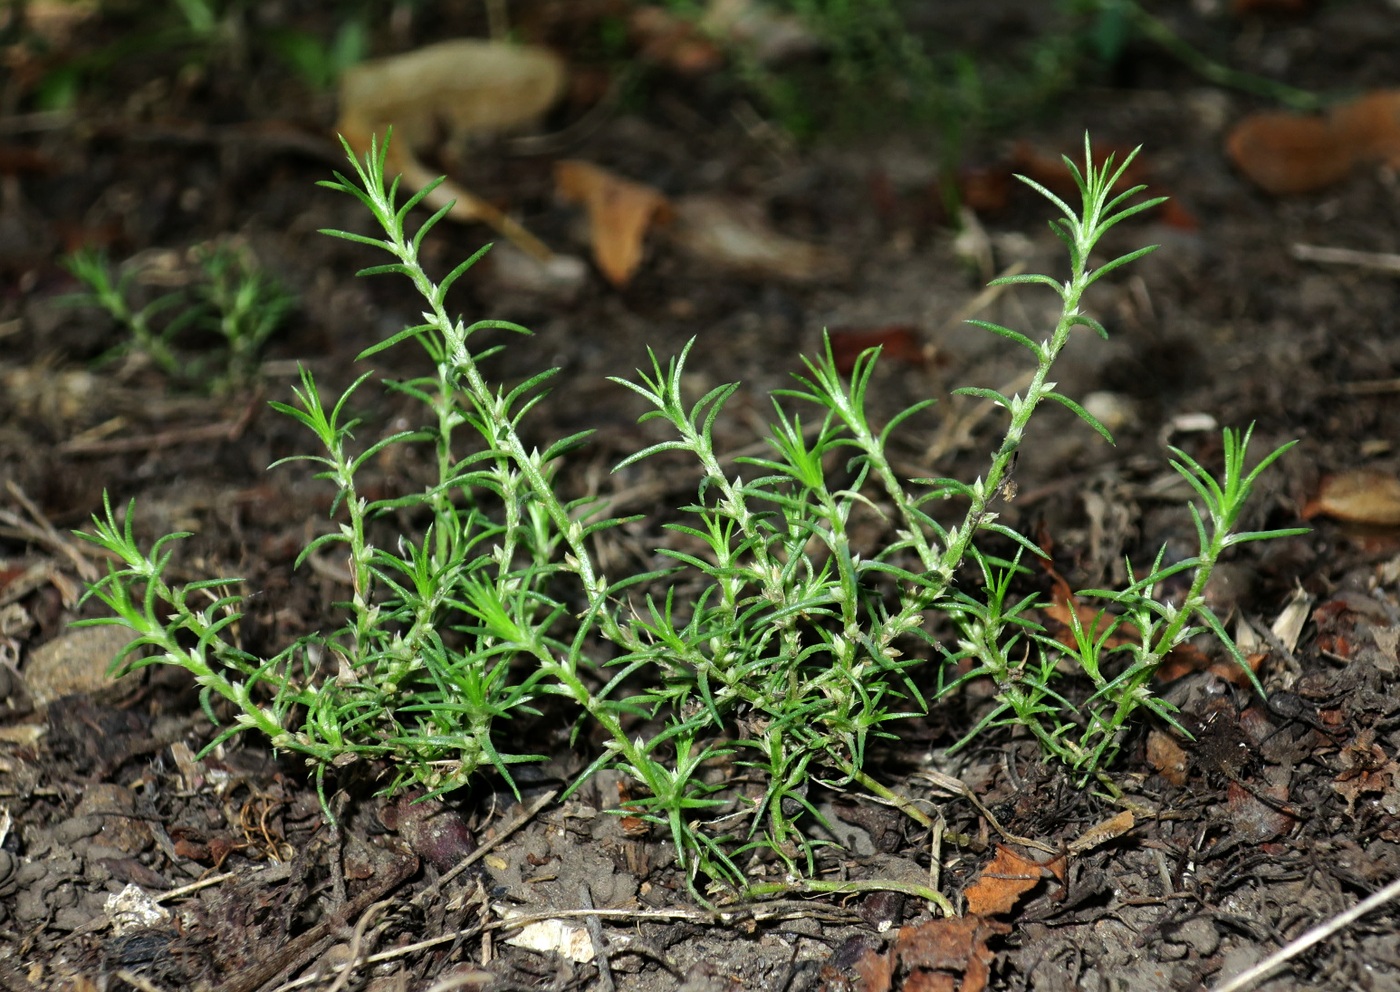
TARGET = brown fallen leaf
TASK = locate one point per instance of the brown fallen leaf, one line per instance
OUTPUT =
(1065, 607)
(1285, 153)
(1005, 879)
(935, 956)
(1361, 496)
(620, 212)
(733, 235)
(1365, 768)
(1372, 124)
(462, 88)
(1257, 819)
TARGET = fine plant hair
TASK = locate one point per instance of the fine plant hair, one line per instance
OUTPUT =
(793, 648)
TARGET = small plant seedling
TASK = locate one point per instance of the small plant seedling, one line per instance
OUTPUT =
(796, 649)
(232, 301)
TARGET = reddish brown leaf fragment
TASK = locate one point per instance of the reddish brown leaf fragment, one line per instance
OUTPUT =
(1002, 883)
(986, 189)
(939, 953)
(899, 342)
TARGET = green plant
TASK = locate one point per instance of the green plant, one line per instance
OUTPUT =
(320, 63)
(233, 299)
(768, 660)
(882, 62)
(1087, 736)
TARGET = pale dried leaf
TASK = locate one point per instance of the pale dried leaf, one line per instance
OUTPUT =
(734, 236)
(463, 88)
(1101, 833)
(1288, 625)
(767, 35)
(453, 91)
(1362, 496)
(76, 661)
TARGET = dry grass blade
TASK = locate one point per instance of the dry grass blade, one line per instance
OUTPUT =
(1316, 935)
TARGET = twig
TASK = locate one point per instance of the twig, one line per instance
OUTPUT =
(1376, 261)
(1317, 934)
(193, 887)
(44, 533)
(138, 981)
(303, 947)
(961, 789)
(223, 430)
(1365, 387)
(356, 939)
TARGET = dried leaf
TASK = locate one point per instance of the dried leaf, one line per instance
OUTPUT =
(947, 953)
(1003, 882)
(1361, 496)
(1372, 124)
(620, 212)
(899, 342)
(764, 33)
(1064, 606)
(466, 88)
(1166, 756)
(874, 972)
(76, 661)
(461, 89)
(1256, 821)
(734, 236)
(1364, 769)
(1096, 836)
(1288, 625)
(1285, 153)
(567, 939)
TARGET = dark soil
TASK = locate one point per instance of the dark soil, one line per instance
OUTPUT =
(1277, 816)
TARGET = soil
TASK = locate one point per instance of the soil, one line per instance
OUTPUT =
(128, 863)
